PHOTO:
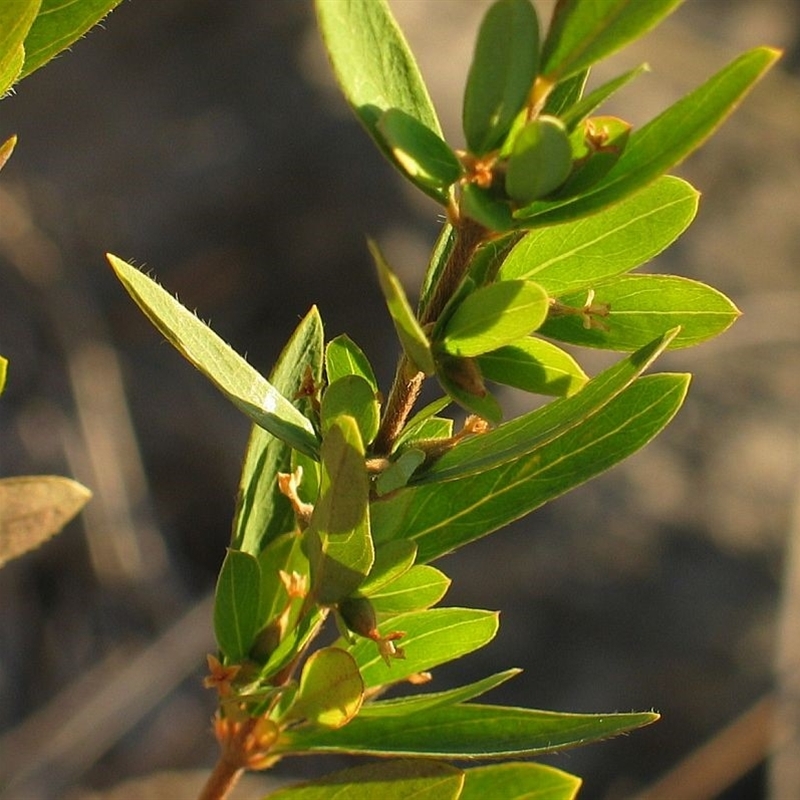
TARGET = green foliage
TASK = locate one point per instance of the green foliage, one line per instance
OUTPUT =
(346, 498)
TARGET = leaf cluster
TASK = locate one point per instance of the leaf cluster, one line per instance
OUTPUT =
(347, 495)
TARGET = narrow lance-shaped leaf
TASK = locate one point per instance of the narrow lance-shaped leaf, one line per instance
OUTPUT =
(579, 254)
(465, 731)
(412, 337)
(34, 508)
(3, 373)
(519, 781)
(233, 376)
(262, 511)
(7, 148)
(643, 306)
(372, 62)
(444, 516)
(526, 433)
(237, 604)
(413, 704)
(502, 72)
(388, 780)
(581, 34)
(664, 141)
(58, 25)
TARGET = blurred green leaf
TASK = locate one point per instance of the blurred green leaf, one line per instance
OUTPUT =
(344, 357)
(59, 24)
(399, 472)
(262, 511)
(3, 373)
(465, 731)
(16, 18)
(237, 603)
(503, 69)
(432, 637)
(34, 508)
(407, 779)
(642, 307)
(487, 208)
(354, 396)
(233, 376)
(578, 254)
(518, 781)
(664, 141)
(338, 538)
(494, 316)
(424, 157)
(441, 517)
(372, 62)
(534, 365)
(330, 690)
(420, 587)
(413, 704)
(581, 34)
(565, 94)
(462, 380)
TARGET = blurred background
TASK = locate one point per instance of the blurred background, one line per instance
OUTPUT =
(207, 141)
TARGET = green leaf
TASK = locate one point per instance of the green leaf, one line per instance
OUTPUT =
(578, 254)
(462, 380)
(237, 603)
(486, 208)
(59, 24)
(465, 731)
(438, 260)
(493, 316)
(420, 587)
(578, 112)
(283, 554)
(581, 34)
(399, 472)
(432, 637)
(3, 373)
(425, 425)
(391, 561)
(503, 69)
(441, 517)
(372, 62)
(424, 157)
(34, 508)
(344, 357)
(16, 18)
(262, 512)
(413, 704)
(412, 337)
(540, 160)
(405, 779)
(666, 140)
(354, 396)
(518, 781)
(565, 94)
(521, 436)
(330, 690)
(246, 388)
(338, 537)
(534, 365)
(644, 306)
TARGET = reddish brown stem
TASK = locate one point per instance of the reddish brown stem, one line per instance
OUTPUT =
(222, 780)
(408, 380)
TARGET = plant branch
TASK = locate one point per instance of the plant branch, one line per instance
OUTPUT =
(222, 780)
(408, 380)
